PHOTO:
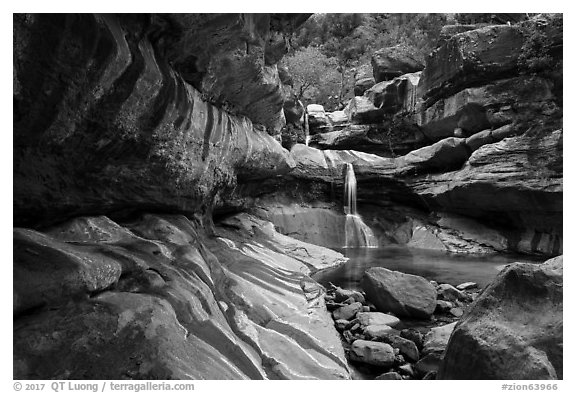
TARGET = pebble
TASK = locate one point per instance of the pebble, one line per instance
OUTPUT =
(406, 369)
(466, 285)
(348, 311)
(443, 306)
(457, 312)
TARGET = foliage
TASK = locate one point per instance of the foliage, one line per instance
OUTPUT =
(349, 40)
(535, 54)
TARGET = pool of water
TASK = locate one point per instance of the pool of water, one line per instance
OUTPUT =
(440, 266)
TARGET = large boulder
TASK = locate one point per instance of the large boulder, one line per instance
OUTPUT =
(449, 153)
(363, 79)
(402, 294)
(362, 111)
(398, 94)
(514, 330)
(388, 63)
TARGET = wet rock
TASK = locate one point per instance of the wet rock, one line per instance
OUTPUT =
(466, 285)
(371, 352)
(347, 312)
(437, 338)
(389, 376)
(402, 294)
(388, 63)
(377, 318)
(514, 330)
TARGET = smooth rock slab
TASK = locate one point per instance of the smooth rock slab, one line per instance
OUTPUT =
(402, 294)
(372, 352)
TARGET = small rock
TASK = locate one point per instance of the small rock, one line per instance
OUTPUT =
(348, 311)
(377, 318)
(430, 376)
(448, 292)
(466, 285)
(355, 327)
(399, 360)
(343, 294)
(389, 376)
(406, 369)
(377, 331)
(348, 336)
(413, 335)
(349, 301)
(341, 324)
(434, 283)
(437, 338)
(366, 309)
(457, 312)
(404, 346)
(443, 306)
(428, 363)
(372, 352)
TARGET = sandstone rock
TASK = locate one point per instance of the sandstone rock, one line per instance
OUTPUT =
(389, 376)
(361, 110)
(506, 101)
(466, 285)
(361, 85)
(379, 331)
(518, 320)
(347, 312)
(437, 338)
(396, 95)
(448, 292)
(402, 294)
(371, 352)
(377, 318)
(444, 155)
(388, 63)
(126, 133)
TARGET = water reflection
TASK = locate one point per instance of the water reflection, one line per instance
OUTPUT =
(431, 264)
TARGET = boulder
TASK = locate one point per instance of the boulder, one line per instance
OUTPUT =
(361, 85)
(389, 376)
(449, 153)
(372, 352)
(428, 364)
(413, 335)
(388, 63)
(514, 329)
(400, 293)
(406, 347)
(347, 312)
(361, 110)
(379, 331)
(396, 95)
(342, 294)
(437, 338)
(293, 111)
(377, 318)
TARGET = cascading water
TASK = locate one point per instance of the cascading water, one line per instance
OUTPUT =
(358, 234)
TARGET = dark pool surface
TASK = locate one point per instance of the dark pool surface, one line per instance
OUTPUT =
(433, 265)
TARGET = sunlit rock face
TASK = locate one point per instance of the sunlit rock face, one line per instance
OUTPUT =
(104, 119)
(155, 298)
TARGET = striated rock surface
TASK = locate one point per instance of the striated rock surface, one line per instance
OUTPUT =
(513, 330)
(155, 298)
(103, 123)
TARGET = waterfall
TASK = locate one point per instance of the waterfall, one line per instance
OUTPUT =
(307, 140)
(306, 129)
(358, 234)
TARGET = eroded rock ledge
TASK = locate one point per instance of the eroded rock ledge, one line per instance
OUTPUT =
(156, 298)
